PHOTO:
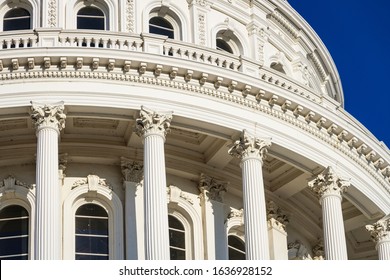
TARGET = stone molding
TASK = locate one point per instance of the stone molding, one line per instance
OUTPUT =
(93, 182)
(213, 188)
(249, 146)
(52, 13)
(132, 171)
(328, 183)
(10, 182)
(152, 122)
(380, 230)
(48, 115)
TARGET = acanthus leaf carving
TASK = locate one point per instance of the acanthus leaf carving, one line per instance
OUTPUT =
(93, 182)
(249, 146)
(380, 230)
(132, 171)
(48, 115)
(153, 122)
(213, 188)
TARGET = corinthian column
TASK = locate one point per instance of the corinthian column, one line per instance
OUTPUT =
(48, 120)
(329, 189)
(252, 151)
(380, 234)
(153, 127)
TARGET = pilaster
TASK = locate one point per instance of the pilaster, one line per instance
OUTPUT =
(277, 233)
(132, 172)
(213, 208)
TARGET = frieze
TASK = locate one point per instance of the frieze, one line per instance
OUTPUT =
(317, 129)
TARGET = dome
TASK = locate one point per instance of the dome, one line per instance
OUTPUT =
(181, 130)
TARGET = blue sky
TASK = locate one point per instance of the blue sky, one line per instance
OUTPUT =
(357, 35)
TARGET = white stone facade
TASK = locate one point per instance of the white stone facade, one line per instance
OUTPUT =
(234, 128)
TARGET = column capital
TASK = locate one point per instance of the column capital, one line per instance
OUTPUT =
(328, 183)
(215, 188)
(319, 250)
(152, 122)
(380, 231)
(132, 171)
(276, 215)
(249, 146)
(48, 115)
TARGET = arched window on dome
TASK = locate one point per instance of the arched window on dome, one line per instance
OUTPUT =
(161, 26)
(14, 233)
(91, 233)
(91, 18)
(177, 242)
(278, 67)
(228, 42)
(17, 19)
(236, 248)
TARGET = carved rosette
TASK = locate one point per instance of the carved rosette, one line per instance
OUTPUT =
(132, 171)
(151, 122)
(276, 216)
(249, 146)
(380, 230)
(214, 188)
(48, 115)
(328, 183)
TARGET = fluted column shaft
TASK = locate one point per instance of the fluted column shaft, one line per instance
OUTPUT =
(329, 189)
(252, 151)
(152, 127)
(333, 225)
(380, 234)
(49, 119)
(256, 229)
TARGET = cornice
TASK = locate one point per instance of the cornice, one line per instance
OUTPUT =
(303, 111)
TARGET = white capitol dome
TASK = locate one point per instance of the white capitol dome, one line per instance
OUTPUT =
(186, 129)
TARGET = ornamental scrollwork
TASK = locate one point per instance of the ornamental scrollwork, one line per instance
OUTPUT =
(327, 183)
(132, 171)
(153, 122)
(51, 115)
(214, 188)
(249, 146)
(380, 230)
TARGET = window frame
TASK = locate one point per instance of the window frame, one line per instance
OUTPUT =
(16, 18)
(170, 17)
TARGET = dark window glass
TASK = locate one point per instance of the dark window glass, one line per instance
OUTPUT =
(91, 233)
(223, 46)
(176, 239)
(17, 19)
(90, 18)
(14, 231)
(159, 25)
(236, 248)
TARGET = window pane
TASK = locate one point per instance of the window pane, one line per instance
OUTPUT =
(93, 226)
(175, 223)
(14, 246)
(177, 254)
(13, 211)
(223, 46)
(176, 239)
(235, 255)
(90, 257)
(90, 18)
(14, 227)
(91, 209)
(236, 242)
(90, 244)
(161, 26)
(17, 19)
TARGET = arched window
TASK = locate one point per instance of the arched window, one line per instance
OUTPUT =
(159, 25)
(223, 46)
(236, 248)
(278, 67)
(14, 229)
(177, 242)
(17, 19)
(91, 233)
(91, 18)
